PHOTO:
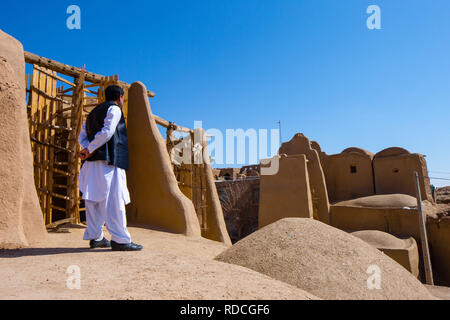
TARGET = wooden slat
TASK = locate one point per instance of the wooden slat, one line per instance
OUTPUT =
(92, 85)
(74, 163)
(47, 96)
(41, 105)
(58, 163)
(33, 116)
(48, 150)
(50, 74)
(27, 82)
(66, 90)
(60, 186)
(55, 76)
(50, 145)
(45, 166)
(56, 195)
(52, 150)
(47, 125)
(67, 109)
(58, 208)
(60, 222)
(90, 105)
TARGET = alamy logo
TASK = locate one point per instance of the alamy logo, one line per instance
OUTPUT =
(74, 280)
(74, 20)
(374, 280)
(238, 145)
(374, 20)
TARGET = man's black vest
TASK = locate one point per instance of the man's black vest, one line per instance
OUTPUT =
(115, 151)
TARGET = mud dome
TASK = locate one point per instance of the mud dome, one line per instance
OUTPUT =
(322, 260)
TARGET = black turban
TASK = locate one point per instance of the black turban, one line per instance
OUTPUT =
(113, 93)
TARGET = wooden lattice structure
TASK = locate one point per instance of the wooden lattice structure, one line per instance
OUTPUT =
(55, 118)
(191, 176)
(57, 108)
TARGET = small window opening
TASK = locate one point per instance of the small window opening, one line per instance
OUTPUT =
(395, 170)
(352, 169)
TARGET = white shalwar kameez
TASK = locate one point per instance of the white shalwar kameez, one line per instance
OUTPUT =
(104, 187)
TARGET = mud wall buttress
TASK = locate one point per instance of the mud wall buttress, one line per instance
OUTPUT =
(21, 220)
(287, 193)
(156, 199)
(216, 227)
(300, 144)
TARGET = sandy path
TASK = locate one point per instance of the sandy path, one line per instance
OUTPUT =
(170, 267)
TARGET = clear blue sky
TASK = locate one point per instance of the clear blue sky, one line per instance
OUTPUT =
(312, 64)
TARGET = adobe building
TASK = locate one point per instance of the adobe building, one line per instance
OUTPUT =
(356, 173)
(250, 171)
(404, 251)
(349, 174)
(226, 173)
(394, 173)
(366, 192)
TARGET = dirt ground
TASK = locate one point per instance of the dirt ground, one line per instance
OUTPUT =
(171, 266)
(442, 293)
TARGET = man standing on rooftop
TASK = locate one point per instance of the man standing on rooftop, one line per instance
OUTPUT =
(102, 177)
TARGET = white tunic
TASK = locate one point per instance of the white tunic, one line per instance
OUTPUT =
(97, 179)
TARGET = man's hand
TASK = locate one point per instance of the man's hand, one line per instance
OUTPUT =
(84, 154)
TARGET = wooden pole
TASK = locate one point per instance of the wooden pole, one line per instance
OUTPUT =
(42, 148)
(168, 124)
(51, 89)
(423, 234)
(73, 167)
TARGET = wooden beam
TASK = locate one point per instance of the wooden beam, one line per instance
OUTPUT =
(69, 70)
(167, 124)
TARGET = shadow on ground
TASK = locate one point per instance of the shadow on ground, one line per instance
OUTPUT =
(17, 253)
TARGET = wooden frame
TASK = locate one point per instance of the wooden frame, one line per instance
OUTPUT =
(56, 114)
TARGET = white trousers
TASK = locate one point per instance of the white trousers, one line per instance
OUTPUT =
(110, 211)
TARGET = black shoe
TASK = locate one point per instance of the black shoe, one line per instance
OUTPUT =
(125, 247)
(104, 243)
